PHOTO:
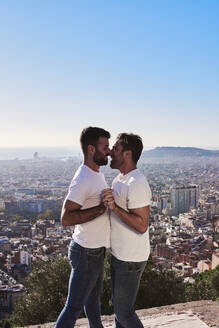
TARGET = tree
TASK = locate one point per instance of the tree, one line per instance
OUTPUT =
(48, 214)
(46, 287)
(215, 280)
(5, 323)
(205, 287)
(106, 301)
(159, 286)
(15, 217)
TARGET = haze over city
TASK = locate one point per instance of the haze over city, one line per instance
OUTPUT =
(144, 67)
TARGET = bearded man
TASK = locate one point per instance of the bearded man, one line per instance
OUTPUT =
(129, 201)
(84, 209)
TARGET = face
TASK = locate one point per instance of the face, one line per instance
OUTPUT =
(101, 151)
(117, 160)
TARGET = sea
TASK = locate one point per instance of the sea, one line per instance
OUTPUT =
(28, 152)
(53, 152)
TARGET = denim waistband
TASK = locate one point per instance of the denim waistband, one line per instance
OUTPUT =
(75, 245)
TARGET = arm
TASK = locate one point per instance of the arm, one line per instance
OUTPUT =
(72, 213)
(136, 218)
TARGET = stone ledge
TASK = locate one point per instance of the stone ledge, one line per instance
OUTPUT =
(206, 311)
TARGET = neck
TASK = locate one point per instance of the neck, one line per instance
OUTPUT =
(90, 163)
(128, 168)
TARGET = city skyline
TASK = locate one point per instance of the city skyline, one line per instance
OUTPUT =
(148, 68)
(22, 153)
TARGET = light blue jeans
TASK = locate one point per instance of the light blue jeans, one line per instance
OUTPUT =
(126, 278)
(85, 286)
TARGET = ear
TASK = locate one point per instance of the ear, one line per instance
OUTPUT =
(91, 149)
(127, 154)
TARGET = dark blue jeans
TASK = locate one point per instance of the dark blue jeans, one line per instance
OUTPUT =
(85, 286)
(126, 278)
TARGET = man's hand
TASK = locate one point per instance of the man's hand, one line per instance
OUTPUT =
(103, 207)
(108, 198)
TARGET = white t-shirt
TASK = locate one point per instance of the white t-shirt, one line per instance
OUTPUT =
(130, 191)
(85, 190)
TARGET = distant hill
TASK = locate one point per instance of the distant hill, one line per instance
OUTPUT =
(161, 152)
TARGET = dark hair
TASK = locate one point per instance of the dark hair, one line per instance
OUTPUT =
(133, 142)
(91, 135)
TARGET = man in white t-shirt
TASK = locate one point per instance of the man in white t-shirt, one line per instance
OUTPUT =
(129, 201)
(84, 209)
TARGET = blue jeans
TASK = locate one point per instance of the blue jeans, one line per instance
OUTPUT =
(85, 286)
(126, 278)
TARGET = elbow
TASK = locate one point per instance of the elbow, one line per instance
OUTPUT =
(142, 229)
(64, 221)
(68, 219)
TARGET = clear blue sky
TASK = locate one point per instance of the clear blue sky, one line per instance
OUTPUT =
(148, 67)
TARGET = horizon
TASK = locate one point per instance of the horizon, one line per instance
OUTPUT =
(68, 65)
(79, 148)
(23, 153)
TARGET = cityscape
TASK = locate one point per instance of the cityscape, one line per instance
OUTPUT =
(184, 216)
(144, 67)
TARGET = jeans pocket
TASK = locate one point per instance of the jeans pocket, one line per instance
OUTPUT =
(74, 256)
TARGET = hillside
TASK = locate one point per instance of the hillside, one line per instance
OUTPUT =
(173, 152)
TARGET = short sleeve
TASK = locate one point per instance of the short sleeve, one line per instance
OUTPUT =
(78, 191)
(139, 194)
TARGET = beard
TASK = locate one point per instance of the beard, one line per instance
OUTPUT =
(116, 163)
(113, 164)
(99, 158)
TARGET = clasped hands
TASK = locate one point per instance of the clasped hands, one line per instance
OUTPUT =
(108, 198)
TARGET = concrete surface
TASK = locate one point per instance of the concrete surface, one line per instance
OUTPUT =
(198, 314)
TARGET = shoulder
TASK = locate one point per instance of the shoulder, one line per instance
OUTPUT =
(81, 177)
(80, 187)
(139, 192)
(137, 178)
(138, 183)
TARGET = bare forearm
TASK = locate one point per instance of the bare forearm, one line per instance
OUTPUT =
(73, 217)
(132, 220)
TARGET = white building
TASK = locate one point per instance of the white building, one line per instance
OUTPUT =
(2, 204)
(215, 258)
(183, 198)
(24, 257)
